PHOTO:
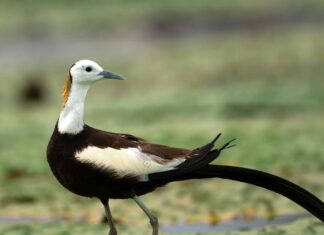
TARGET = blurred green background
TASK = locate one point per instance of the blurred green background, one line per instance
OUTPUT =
(253, 70)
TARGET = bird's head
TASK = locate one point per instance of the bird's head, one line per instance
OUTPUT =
(86, 72)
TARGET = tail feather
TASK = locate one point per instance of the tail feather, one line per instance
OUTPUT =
(200, 158)
(199, 168)
(265, 180)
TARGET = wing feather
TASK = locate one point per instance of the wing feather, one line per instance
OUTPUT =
(128, 154)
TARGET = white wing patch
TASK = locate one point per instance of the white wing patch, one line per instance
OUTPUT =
(125, 161)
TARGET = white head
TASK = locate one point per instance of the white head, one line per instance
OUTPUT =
(81, 75)
(84, 73)
(87, 72)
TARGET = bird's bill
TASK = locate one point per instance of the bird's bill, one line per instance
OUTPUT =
(106, 74)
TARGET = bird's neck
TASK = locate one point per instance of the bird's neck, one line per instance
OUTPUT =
(71, 117)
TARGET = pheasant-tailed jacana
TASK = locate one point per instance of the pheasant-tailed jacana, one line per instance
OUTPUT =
(95, 163)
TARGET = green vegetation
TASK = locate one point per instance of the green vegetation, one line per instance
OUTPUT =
(264, 88)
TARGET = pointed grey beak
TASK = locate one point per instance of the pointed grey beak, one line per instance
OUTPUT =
(106, 74)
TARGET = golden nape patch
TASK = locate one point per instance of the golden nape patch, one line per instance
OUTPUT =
(66, 89)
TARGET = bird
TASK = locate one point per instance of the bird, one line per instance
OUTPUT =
(106, 165)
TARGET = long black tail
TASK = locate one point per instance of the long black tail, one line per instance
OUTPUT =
(265, 180)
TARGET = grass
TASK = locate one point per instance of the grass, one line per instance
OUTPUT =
(264, 88)
(48, 18)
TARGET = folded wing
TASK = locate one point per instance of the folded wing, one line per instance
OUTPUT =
(129, 155)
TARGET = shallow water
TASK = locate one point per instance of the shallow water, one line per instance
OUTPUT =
(234, 225)
(239, 224)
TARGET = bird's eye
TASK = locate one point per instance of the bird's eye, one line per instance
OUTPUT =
(88, 69)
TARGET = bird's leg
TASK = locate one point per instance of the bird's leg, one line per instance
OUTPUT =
(113, 230)
(153, 219)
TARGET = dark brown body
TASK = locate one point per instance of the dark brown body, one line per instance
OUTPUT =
(88, 180)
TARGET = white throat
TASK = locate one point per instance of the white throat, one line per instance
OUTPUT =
(71, 117)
